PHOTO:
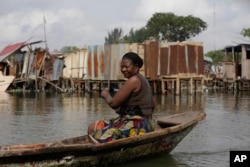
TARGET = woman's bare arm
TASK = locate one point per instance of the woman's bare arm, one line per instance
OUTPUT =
(133, 84)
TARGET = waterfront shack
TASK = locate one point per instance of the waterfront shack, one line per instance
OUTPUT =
(113, 55)
(96, 67)
(93, 68)
(208, 62)
(113, 77)
(166, 65)
(84, 68)
(31, 68)
(237, 66)
(181, 65)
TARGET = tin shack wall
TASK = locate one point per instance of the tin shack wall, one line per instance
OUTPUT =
(181, 58)
(103, 62)
(75, 64)
(139, 49)
(229, 72)
(196, 58)
(95, 63)
(113, 56)
(117, 51)
(151, 53)
(107, 62)
(141, 53)
(245, 62)
(86, 63)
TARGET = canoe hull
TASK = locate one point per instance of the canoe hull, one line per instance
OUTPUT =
(5, 82)
(85, 157)
(80, 152)
(151, 147)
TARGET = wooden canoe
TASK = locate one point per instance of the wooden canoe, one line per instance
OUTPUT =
(5, 81)
(79, 151)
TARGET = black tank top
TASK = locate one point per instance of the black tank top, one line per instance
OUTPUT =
(141, 100)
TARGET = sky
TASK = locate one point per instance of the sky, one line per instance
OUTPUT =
(84, 23)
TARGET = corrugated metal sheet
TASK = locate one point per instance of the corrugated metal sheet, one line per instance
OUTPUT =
(103, 63)
(86, 63)
(117, 51)
(75, 64)
(192, 59)
(95, 65)
(173, 63)
(37, 59)
(53, 67)
(107, 61)
(241, 57)
(151, 54)
(57, 69)
(181, 58)
(164, 61)
(245, 62)
(141, 52)
(113, 56)
(10, 49)
(28, 59)
(229, 72)
(200, 60)
(169, 60)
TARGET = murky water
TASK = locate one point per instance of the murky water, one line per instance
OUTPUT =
(31, 118)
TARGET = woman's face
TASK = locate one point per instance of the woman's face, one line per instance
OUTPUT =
(128, 69)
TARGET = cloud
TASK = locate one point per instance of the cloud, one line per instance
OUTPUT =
(225, 19)
(66, 27)
(201, 9)
(16, 25)
(84, 22)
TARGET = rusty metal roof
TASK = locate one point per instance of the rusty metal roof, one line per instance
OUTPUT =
(10, 49)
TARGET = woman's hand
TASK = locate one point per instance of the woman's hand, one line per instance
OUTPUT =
(105, 93)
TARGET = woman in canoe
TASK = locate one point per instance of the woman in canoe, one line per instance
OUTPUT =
(133, 102)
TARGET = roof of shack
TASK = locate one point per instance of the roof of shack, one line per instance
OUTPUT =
(237, 48)
(9, 49)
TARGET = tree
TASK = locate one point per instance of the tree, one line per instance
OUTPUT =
(246, 32)
(161, 26)
(168, 26)
(217, 56)
(139, 35)
(114, 36)
(68, 49)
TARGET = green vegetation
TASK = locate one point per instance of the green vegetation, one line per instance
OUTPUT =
(161, 26)
(217, 56)
(164, 26)
(246, 32)
(139, 35)
(68, 49)
(168, 26)
(114, 36)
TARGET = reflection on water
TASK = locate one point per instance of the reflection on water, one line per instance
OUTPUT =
(45, 117)
(225, 128)
(161, 161)
(30, 118)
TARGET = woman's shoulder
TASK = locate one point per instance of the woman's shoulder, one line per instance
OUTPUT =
(142, 78)
(134, 82)
(134, 79)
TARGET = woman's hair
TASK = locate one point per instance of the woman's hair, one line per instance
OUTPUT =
(135, 58)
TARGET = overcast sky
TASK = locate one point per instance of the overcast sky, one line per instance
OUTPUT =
(87, 22)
